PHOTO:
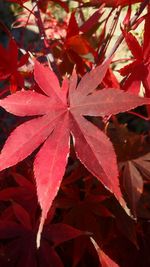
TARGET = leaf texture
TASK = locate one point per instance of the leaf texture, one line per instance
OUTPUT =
(30, 103)
(93, 149)
(61, 111)
(50, 162)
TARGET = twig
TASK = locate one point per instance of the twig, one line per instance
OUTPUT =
(30, 13)
(131, 23)
(102, 45)
(139, 115)
(113, 27)
(49, 54)
(25, 7)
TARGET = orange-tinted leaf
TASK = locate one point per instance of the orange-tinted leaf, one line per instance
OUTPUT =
(78, 44)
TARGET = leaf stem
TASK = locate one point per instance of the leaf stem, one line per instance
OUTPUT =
(139, 115)
(111, 31)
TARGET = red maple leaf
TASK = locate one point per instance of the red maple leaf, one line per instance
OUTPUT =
(139, 70)
(76, 41)
(62, 111)
(76, 47)
(9, 65)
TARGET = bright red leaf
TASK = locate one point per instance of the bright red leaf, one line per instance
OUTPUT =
(63, 111)
(76, 41)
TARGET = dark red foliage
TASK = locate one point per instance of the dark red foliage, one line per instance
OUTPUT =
(10, 64)
(75, 158)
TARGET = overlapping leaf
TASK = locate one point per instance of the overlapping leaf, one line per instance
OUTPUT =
(138, 71)
(75, 47)
(133, 184)
(62, 111)
(20, 234)
(9, 64)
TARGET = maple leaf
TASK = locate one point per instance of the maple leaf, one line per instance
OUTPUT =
(76, 47)
(62, 111)
(138, 71)
(9, 64)
(134, 173)
(76, 41)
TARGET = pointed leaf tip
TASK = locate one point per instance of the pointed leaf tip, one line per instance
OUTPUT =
(49, 169)
(38, 237)
(92, 79)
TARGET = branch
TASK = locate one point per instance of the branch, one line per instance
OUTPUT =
(131, 23)
(112, 28)
(43, 37)
(139, 115)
